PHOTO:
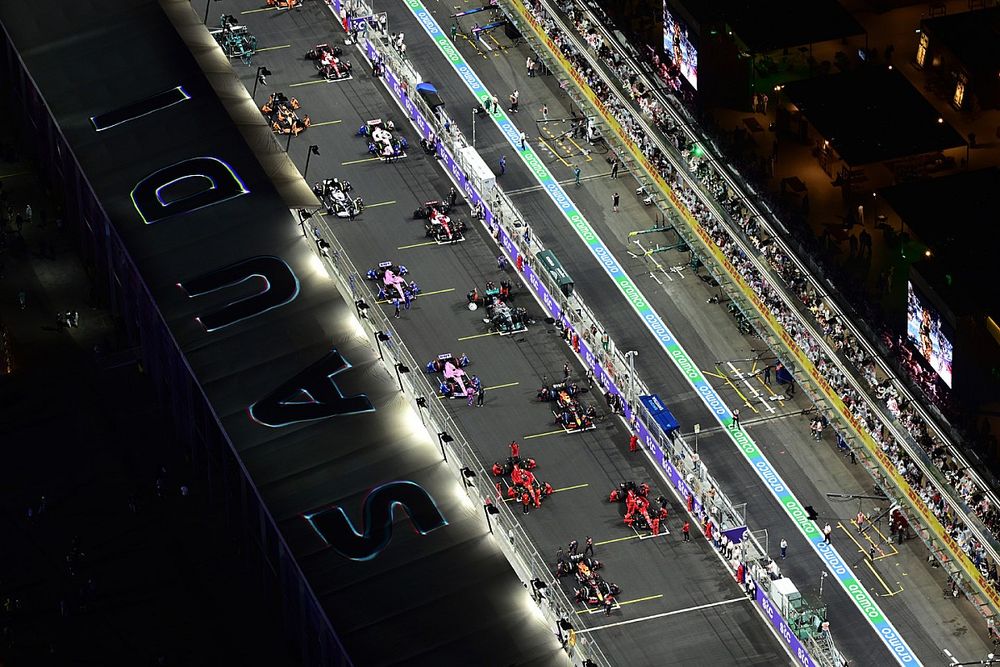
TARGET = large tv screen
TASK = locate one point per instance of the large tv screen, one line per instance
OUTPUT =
(679, 48)
(925, 329)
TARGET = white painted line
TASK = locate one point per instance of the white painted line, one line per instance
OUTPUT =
(863, 600)
(600, 610)
(664, 614)
(663, 533)
(672, 489)
(752, 389)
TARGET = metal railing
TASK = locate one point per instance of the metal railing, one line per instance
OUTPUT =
(512, 538)
(714, 503)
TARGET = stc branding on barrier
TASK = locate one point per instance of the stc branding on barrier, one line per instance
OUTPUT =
(603, 379)
(601, 376)
(862, 599)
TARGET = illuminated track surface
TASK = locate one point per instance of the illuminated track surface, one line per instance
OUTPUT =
(833, 560)
(928, 624)
(658, 576)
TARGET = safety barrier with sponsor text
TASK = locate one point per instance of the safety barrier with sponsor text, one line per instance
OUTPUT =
(855, 590)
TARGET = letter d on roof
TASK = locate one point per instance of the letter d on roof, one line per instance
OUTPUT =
(196, 183)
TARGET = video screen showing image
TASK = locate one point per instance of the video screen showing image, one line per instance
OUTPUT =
(924, 330)
(678, 47)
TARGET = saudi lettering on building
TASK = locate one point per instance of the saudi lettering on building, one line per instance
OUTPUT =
(855, 590)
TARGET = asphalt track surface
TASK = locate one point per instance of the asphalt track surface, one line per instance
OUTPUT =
(707, 333)
(704, 615)
(709, 336)
(597, 458)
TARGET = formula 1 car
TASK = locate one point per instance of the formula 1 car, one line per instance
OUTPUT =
(391, 283)
(424, 211)
(235, 39)
(593, 589)
(282, 116)
(507, 320)
(383, 142)
(571, 566)
(334, 69)
(455, 382)
(500, 315)
(620, 494)
(522, 462)
(320, 51)
(384, 267)
(523, 482)
(389, 150)
(551, 392)
(438, 365)
(640, 513)
(335, 195)
(571, 415)
(444, 229)
(489, 295)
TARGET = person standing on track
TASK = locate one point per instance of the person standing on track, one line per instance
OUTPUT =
(633, 443)
(615, 198)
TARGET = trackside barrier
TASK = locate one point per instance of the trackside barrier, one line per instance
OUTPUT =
(794, 509)
(908, 495)
(459, 455)
(574, 317)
